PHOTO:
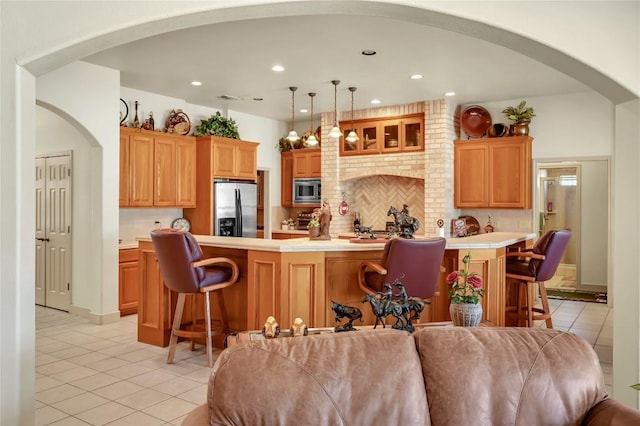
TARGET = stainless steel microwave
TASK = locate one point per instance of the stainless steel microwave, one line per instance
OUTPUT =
(307, 191)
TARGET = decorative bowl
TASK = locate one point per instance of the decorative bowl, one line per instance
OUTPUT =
(475, 120)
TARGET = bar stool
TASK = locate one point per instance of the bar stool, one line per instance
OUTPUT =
(526, 268)
(184, 271)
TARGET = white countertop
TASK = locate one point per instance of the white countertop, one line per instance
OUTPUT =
(127, 245)
(482, 241)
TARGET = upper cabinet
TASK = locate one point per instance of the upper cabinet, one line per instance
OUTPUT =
(298, 163)
(232, 158)
(307, 163)
(286, 179)
(156, 169)
(384, 135)
(493, 173)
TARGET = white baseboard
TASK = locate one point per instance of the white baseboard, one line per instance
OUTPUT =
(95, 318)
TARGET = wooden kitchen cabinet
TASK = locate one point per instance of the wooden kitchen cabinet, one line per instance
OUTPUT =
(156, 169)
(185, 173)
(286, 179)
(294, 164)
(231, 158)
(164, 172)
(307, 163)
(368, 138)
(218, 157)
(141, 171)
(384, 135)
(493, 173)
(128, 281)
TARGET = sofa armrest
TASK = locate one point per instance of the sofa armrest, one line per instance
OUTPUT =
(611, 413)
(197, 417)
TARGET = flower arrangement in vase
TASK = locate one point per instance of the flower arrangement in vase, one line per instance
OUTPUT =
(465, 291)
(314, 228)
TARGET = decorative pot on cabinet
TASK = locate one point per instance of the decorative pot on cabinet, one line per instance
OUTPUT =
(465, 314)
(520, 128)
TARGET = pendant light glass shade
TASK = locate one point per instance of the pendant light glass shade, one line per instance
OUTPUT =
(352, 136)
(311, 140)
(335, 130)
(292, 136)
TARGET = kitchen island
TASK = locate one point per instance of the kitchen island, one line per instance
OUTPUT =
(299, 278)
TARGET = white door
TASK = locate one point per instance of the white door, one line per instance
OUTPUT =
(53, 231)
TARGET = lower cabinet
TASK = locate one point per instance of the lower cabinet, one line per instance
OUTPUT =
(128, 281)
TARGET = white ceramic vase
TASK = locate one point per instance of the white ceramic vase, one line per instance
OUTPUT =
(466, 314)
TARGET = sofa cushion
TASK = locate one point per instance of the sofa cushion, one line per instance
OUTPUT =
(514, 376)
(356, 378)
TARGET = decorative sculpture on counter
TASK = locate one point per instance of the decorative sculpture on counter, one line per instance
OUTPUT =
(365, 232)
(271, 328)
(343, 311)
(405, 225)
(298, 328)
(405, 309)
(324, 216)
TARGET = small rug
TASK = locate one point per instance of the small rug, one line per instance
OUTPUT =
(582, 296)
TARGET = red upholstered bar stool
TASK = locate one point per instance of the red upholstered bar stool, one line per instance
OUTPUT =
(525, 268)
(416, 263)
(186, 272)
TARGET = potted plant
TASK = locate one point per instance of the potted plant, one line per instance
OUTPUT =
(521, 116)
(465, 291)
(314, 228)
(217, 125)
(283, 145)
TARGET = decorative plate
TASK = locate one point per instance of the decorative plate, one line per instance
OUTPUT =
(181, 223)
(475, 121)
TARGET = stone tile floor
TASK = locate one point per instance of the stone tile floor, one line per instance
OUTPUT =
(90, 374)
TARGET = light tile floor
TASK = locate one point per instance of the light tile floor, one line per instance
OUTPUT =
(100, 375)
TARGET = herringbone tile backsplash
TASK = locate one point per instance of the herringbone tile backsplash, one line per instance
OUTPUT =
(395, 191)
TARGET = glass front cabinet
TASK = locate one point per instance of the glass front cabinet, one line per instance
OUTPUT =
(383, 135)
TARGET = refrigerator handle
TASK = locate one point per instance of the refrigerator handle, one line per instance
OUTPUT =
(238, 214)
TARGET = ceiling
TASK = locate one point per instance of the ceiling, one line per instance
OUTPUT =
(235, 58)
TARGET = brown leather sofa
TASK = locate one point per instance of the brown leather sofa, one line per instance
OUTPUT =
(437, 376)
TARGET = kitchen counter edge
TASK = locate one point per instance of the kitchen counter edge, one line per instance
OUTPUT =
(493, 240)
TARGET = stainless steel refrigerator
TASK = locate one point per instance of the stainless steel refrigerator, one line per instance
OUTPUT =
(235, 208)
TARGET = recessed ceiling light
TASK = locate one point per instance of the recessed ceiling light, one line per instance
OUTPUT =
(416, 76)
(277, 68)
(369, 52)
(450, 94)
(258, 99)
(229, 97)
(375, 101)
(303, 110)
(196, 83)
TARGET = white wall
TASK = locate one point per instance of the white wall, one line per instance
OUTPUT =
(594, 223)
(53, 135)
(47, 35)
(579, 124)
(74, 92)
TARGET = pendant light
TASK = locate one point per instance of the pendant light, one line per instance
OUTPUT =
(292, 136)
(335, 130)
(352, 136)
(312, 141)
